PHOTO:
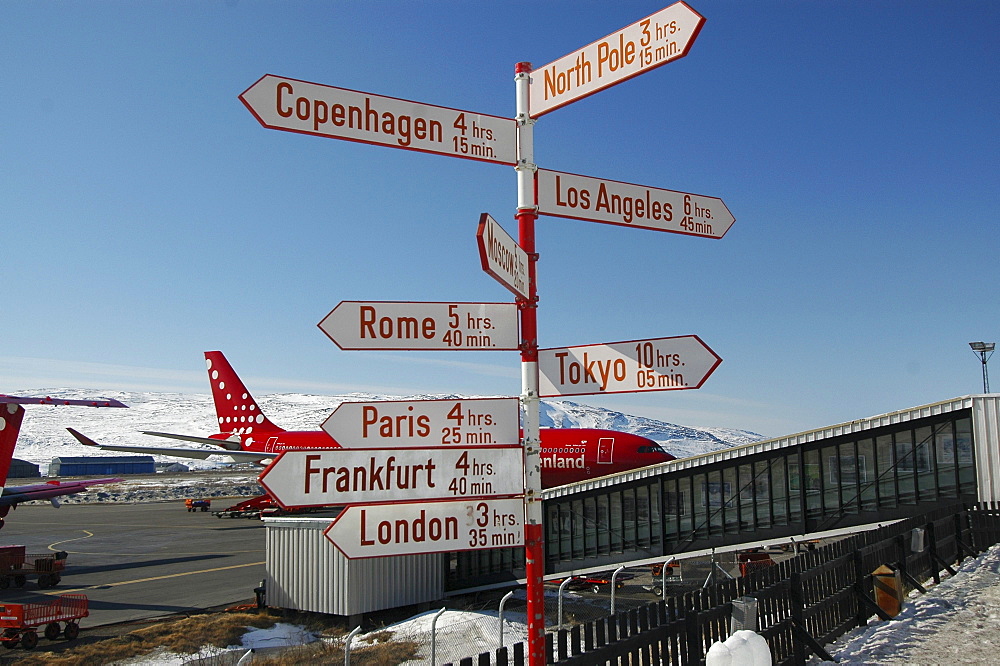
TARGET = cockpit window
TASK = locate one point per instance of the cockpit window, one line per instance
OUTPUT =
(655, 448)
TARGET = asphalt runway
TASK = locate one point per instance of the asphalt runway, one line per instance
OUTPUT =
(139, 561)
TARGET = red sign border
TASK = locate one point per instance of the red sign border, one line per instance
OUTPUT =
(372, 143)
(429, 552)
(718, 361)
(687, 49)
(274, 496)
(628, 224)
(419, 349)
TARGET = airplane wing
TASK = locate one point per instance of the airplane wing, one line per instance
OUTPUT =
(19, 400)
(200, 454)
(13, 495)
(225, 444)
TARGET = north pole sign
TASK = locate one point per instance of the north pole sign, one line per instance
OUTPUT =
(423, 326)
(661, 364)
(655, 40)
(425, 423)
(381, 530)
(628, 205)
(338, 477)
(311, 108)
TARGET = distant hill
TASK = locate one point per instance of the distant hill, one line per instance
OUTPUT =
(44, 436)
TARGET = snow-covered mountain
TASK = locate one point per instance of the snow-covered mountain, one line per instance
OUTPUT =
(44, 436)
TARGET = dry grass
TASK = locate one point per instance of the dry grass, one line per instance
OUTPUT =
(190, 635)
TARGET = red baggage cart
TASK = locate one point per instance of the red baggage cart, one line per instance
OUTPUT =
(20, 622)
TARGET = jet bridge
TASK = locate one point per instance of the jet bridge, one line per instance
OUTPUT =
(823, 481)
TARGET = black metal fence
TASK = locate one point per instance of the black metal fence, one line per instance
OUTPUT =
(803, 603)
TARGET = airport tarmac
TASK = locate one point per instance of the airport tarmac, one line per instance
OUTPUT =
(139, 561)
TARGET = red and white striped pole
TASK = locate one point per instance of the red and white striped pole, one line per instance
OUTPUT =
(534, 550)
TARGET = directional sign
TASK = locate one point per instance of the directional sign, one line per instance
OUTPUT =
(662, 364)
(338, 477)
(338, 113)
(655, 40)
(612, 202)
(502, 257)
(425, 423)
(415, 326)
(380, 530)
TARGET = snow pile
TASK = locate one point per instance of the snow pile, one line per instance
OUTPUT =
(458, 634)
(956, 622)
(43, 433)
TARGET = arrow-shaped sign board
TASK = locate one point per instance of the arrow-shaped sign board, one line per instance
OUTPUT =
(381, 530)
(612, 202)
(423, 326)
(661, 364)
(467, 422)
(502, 257)
(655, 40)
(339, 477)
(338, 113)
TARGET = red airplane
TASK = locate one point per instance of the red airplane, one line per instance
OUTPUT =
(246, 434)
(11, 415)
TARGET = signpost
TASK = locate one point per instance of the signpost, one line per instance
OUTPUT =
(339, 477)
(428, 326)
(636, 366)
(612, 202)
(655, 40)
(502, 257)
(381, 530)
(472, 476)
(338, 113)
(468, 422)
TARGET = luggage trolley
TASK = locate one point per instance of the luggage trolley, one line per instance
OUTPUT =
(19, 621)
(16, 567)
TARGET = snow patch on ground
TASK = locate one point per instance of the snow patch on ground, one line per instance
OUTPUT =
(956, 622)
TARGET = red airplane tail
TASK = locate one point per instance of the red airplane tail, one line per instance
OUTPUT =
(10, 425)
(237, 410)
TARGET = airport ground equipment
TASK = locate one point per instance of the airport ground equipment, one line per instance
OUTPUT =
(16, 567)
(20, 622)
(198, 504)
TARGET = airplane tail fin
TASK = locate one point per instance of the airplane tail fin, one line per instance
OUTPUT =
(237, 410)
(11, 416)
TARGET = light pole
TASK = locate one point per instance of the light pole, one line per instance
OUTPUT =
(984, 350)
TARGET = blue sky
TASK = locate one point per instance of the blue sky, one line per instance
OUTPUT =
(147, 216)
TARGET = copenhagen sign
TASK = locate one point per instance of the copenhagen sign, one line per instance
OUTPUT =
(337, 113)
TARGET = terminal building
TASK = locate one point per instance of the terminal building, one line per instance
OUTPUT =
(807, 485)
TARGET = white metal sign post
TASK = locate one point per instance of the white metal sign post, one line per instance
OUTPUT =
(381, 530)
(339, 477)
(425, 423)
(338, 113)
(655, 40)
(612, 202)
(636, 366)
(429, 326)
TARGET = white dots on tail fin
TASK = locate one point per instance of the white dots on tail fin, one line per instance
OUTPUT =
(222, 386)
(215, 373)
(208, 362)
(3, 423)
(260, 418)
